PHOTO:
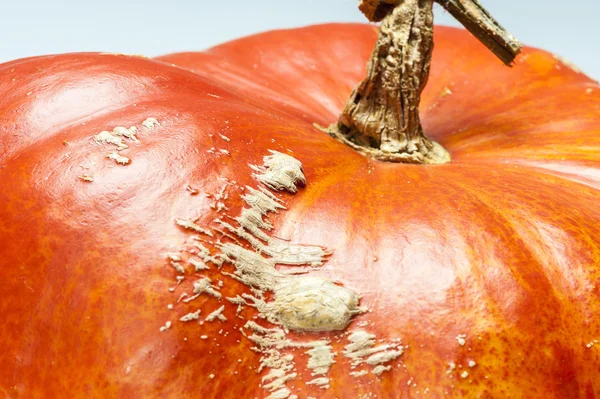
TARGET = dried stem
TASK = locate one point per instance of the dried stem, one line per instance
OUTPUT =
(381, 118)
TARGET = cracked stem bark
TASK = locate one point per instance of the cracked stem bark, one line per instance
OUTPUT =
(381, 118)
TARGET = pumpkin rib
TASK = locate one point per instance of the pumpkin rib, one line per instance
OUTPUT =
(10, 144)
(576, 173)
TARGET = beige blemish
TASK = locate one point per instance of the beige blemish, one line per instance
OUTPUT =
(191, 190)
(276, 379)
(116, 137)
(446, 92)
(282, 393)
(221, 207)
(204, 254)
(321, 382)
(321, 358)
(106, 137)
(271, 341)
(122, 131)
(198, 264)
(384, 356)
(165, 327)
(302, 303)
(178, 266)
(451, 367)
(280, 366)
(204, 286)
(313, 304)
(174, 256)
(150, 123)
(86, 178)
(119, 159)
(185, 294)
(381, 369)
(280, 172)
(191, 316)
(239, 301)
(363, 349)
(190, 225)
(591, 343)
(217, 315)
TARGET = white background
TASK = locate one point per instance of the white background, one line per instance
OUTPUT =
(153, 27)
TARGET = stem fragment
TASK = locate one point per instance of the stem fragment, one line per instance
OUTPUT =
(381, 118)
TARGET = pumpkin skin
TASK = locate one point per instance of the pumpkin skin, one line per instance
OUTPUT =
(500, 245)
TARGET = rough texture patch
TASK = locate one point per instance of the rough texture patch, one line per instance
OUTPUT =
(313, 304)
(119, 159)
(150, 123)
(191, 316)
(204, 286)
(106, 137)
(188, 224)
(362, 349)
(321, 358)
(300, 303)
(280, 172)
(116, 138)
(217, 314)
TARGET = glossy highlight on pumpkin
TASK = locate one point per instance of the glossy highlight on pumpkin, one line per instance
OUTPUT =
(486, 268)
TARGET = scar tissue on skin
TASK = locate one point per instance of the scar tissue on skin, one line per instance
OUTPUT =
(362, 349)
(301, 303)
(116, 138)
(188, 224)
(150, 123)
(280, 172)
(119, 159)
(217, 314)
(191, 316)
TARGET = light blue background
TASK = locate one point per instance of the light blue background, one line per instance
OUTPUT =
(153, 27)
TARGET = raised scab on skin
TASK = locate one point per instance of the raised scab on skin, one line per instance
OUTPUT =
(116, 138)
(150, 123)
(190, 225)
(87, 178)
(217, 315)
(301, 303)
(314, 304)
(119, 159)
(191, 316)
(280, 172)
(363, 350)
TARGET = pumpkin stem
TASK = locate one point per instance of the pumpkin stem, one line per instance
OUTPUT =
(381, 118)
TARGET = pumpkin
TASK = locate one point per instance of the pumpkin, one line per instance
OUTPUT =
(179, 228)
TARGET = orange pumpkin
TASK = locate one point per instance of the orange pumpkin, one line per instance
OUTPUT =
(123, 184)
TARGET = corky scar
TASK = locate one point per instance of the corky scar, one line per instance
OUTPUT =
(248, 252)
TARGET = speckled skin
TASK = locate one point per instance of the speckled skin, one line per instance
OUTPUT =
(501, 245)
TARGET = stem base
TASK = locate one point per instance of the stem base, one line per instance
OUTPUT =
(436, 154)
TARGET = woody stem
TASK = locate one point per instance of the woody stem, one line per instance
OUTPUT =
(381, 118)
